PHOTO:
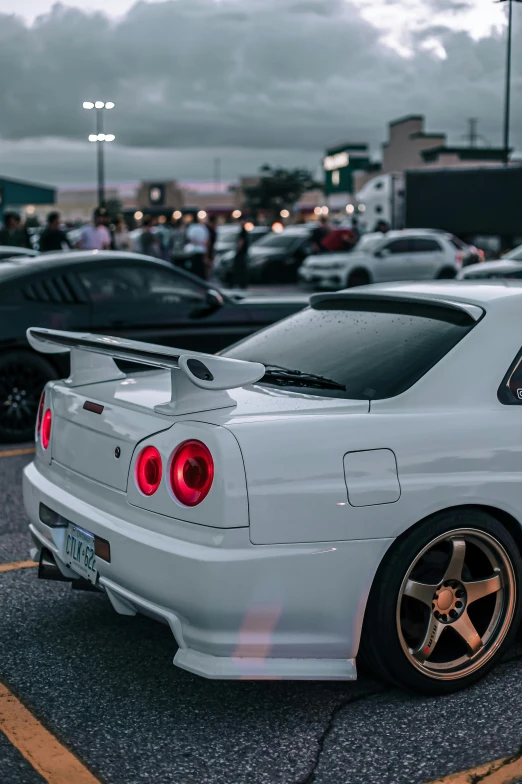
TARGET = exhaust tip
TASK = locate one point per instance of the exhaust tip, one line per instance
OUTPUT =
(48, 568)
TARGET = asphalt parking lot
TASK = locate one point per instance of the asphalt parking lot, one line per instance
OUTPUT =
(105, 688)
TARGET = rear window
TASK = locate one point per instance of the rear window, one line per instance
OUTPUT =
(372, 349)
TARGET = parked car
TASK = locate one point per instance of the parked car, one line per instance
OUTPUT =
(397, 255)
(228, 233)
(275, 258)
(506, 268)
(342, 486)
(10, 251)
(124, 294)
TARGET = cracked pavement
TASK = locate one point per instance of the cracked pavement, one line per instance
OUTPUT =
(105, 685)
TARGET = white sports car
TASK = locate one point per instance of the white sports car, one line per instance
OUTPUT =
(346, 483)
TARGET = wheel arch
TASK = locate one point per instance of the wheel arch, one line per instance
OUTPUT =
(358, 269)
(508, 521)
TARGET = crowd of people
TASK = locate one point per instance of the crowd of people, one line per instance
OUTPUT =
(189, 243)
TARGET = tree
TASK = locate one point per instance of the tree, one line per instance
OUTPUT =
(278, 189)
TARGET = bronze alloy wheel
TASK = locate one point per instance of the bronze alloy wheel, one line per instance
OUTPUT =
(456, 604)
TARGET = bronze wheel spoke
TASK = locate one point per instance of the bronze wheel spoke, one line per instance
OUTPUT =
(421, 591)
(480, 588)
(458, 554)
(464, 627)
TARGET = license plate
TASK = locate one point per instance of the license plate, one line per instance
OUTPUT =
(79, 552)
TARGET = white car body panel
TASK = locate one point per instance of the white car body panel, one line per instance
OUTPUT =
(333, 270)
(270, 574)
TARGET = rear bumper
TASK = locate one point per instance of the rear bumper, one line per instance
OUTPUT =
(236, 610)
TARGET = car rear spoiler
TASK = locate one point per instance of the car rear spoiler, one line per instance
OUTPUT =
(199, 381)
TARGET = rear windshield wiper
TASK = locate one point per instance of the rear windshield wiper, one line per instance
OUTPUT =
(296, 378)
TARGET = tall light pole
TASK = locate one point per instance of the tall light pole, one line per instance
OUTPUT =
(100, 137)
(507, 105)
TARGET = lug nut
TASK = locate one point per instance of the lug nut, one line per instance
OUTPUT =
(458, 604)
(437, 614)
(447, 583)
(459, 593)
(454, 614)
(444, 618)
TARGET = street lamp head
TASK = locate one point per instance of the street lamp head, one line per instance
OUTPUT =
(99, 104)
(109, 137)
(101, 137)
(93, 137)
(88, 105)
(109, 105)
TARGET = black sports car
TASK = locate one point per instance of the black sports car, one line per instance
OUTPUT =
(9, 251)
(273, 259)
(121, 294)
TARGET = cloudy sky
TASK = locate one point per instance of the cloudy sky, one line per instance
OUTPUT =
(248, 81)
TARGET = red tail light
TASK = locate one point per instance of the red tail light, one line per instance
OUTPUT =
(148, 470)
(191, 473)
(46, 428)
(39, 416)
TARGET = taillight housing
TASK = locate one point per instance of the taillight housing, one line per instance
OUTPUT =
(191, 472)
(45, 435)
(149, 470)
(39, 416)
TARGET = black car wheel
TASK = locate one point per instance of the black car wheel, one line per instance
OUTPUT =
(445, 603)
(22, 377)
(358, 277)
(448, 273)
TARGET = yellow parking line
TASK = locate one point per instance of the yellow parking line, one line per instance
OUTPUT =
(14, 566)
(29, 450)
(55, 763)
(507, 770)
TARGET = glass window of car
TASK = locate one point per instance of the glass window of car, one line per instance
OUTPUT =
(397, 246)
(283, 241)
(372, 349)
(510, 391)
(369, 243)
(140, 284)
(423, 245)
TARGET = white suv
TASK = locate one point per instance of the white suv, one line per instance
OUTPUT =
(377, 258)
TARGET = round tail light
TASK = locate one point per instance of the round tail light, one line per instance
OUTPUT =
(39, 416)
(46, 428)
(148, 470)
(191, 473)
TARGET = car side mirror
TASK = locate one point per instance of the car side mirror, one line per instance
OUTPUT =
(382, 253)
(214, 299)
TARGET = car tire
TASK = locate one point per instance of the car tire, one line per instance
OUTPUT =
(405, 642)
(448, 273)
(358, 277)
(23, 375)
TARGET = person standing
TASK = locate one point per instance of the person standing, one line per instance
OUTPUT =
(240, 268)
(13, 233)
(211, 247)
(96, 235)
(120, 236)
(150, 242)
(319, 234)
(197, 238)
(53, 238)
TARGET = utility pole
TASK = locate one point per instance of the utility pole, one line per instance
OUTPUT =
(507, 104)
(100, 158)
(472, 122)
(217, 171)
(100, 137)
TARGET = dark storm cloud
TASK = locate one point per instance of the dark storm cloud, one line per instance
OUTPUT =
(240, 73)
